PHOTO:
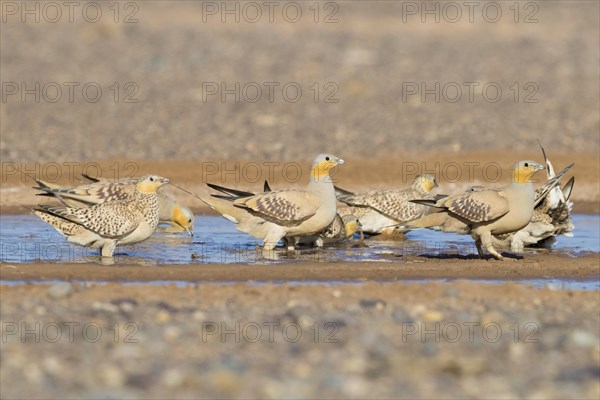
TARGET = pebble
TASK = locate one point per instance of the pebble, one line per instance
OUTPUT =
(171, 334)
(432, 316)
(583, 338)
(125, 304)
(108, 307)
(60, 290)
(372, 303)
(199, 315)
(225, 382)
(112, 376)
(162, 317)
(172, 378)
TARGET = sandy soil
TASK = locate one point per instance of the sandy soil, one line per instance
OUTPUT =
(454, 172)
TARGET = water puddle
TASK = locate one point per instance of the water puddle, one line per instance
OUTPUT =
(26, 239)
(537, 283)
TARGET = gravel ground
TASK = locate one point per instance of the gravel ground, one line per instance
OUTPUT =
(396, 340)
(170, 55)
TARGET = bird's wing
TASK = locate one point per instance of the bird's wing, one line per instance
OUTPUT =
(394, 204)
(96, 193)
(283, 207)
(479, 206)
(113, 219)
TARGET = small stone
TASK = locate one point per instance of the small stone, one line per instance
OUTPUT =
(336, 293)
(52, 365)
(112, 376)
(98, 306)
(171, 334)
(225, 382)
(372, 303)
(199, 315)
(582, 338)
(125, 304)
(59, 290)
(172, 378)
(162, 317)
(432, 316)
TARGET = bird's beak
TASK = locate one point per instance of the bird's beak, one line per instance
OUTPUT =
(165, 180)
(340, 161)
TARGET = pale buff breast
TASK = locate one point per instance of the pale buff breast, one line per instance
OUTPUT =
(520, 198)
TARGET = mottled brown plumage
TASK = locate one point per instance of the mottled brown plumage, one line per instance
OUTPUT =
(111, 223)
(100, 190)
(377, 210)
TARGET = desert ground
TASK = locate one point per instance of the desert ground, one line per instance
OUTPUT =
(185, 93)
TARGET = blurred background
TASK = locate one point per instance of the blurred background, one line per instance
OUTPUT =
(163, 67)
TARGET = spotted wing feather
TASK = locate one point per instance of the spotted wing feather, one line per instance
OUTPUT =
(480, 206)
(113, 220)
(97, 193)
(283, 207)
(396, 204)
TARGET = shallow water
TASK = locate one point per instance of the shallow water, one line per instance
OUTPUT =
(26, 239)
(553, 284)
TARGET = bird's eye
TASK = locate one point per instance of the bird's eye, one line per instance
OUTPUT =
(189, 221)
(526, 165)
(151, 179)
(326, 158)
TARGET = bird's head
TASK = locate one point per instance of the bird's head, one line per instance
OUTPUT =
(424, 183)
(151, 183)
(351, 224)
(322, 166)
(183, 217)
(523, 171)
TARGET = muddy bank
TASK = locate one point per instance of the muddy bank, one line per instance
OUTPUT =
(413, 267)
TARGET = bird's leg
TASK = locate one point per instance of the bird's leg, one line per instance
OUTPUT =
(486, 240)
(478, 245)
(109, 248)
(269, 245)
